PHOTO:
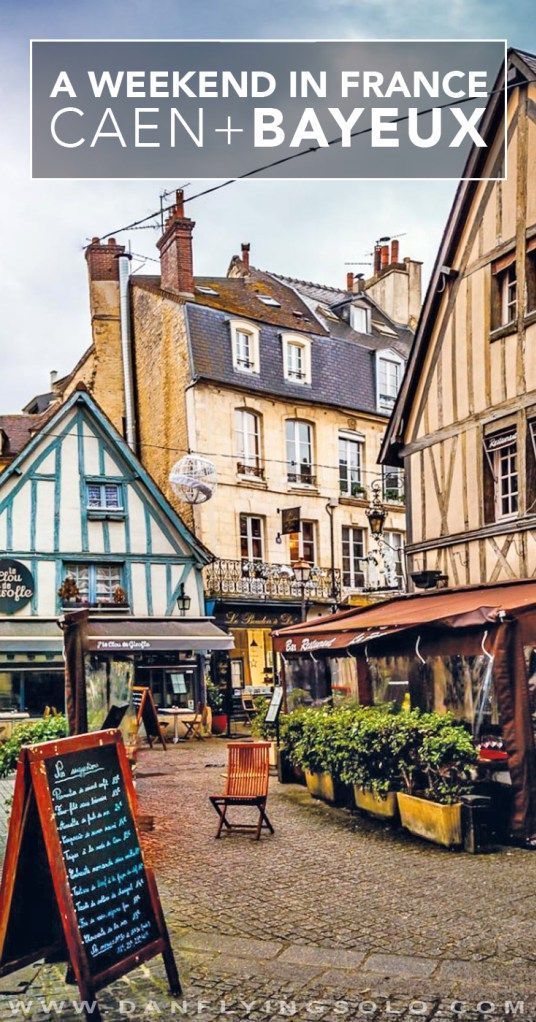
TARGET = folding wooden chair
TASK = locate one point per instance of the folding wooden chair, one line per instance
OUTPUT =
(194, 727)
(246, 784)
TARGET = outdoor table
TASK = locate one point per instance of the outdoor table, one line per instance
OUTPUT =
(178, 715)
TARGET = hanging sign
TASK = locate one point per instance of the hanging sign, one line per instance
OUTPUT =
(16, 586)
(74, 882)
(290, 520)
(146, 711)
(497, 440)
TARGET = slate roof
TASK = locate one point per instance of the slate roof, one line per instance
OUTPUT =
(17, 429)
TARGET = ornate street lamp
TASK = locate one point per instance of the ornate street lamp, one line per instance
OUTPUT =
(183, 601)
(376, 512)
(302, 573)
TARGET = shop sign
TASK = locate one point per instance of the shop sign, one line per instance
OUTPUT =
(258, 618)
(16, 586)
(290, 520)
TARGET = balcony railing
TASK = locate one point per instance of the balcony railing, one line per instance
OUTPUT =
(243, 469)
(258, 580)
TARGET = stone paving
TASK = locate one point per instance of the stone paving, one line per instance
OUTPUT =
(333, 917)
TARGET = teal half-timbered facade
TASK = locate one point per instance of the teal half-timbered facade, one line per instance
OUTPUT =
(81, 514)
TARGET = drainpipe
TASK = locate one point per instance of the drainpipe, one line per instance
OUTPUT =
(126, 349)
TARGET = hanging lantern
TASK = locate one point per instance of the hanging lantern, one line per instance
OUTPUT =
(193, 479)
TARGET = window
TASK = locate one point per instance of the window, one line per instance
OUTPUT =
(530, 274)
(504, 292)
(206, 290)
(299, 452)
(393, 555)
(360, 319)
(104, 496)
(350, 466)
(268, 300)
(96, 582)
(393, 484)
(245, 341)
(389, 373)
(302, 544)
(248, 443)
(501, 486)
(297, 359)
(353, 551)
(251, 539)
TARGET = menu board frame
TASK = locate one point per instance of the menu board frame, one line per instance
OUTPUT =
(146, 711)
(32, 783)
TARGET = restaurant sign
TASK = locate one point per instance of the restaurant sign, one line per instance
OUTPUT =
(16, 586)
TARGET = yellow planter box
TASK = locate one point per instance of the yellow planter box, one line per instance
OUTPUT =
(320, 786)
(431, 820)
(384, 807)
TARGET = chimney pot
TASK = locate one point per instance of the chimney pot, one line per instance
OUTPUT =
(349, 282)
(395, 245)
(176, 255)
(384, 256)
(102, 261)
(53, 377)
(377, 260)
(245, 254)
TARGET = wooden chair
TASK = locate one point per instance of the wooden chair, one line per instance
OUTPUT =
(194, 727)
(246, 784)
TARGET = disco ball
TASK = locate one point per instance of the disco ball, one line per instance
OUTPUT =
(193, 479)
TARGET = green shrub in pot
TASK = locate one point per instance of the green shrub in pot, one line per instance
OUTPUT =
(371, 762)
(435, 754)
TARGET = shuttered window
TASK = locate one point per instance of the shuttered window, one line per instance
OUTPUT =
(501, 479)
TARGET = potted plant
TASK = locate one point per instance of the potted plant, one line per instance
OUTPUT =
(119, 596)
(436, 756)
(69, 592)
(371, 765)
(216, 702)
(316, 750)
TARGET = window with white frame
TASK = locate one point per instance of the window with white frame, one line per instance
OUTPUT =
(299, 445)
(394, 541)
(297, 358)
(351, 465)
(103, 496)
(389, 367)
(302, 544)
(360, 319)
(508, 284)
(251, 538)
(353, 552)
(248, 443)
(97, 583)
(393, 484)
(501, 458)
(245, 341)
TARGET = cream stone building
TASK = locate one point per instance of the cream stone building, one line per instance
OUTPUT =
(286, 387)
(464, 424)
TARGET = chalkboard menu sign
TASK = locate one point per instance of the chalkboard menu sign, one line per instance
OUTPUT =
(146, 712)
(73, 825)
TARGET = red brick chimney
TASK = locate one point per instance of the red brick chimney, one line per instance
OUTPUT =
(349, 282)
(394, 250)
(384, 256)
(176, 258)
(102, 261)
(245, 255)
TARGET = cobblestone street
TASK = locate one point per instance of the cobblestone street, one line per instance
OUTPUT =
(332, 917)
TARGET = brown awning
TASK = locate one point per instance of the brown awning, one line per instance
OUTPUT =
(148, 635)
(450, 608)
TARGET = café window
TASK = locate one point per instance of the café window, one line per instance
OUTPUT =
(297, 358)
(299, 444)
(351, 465)
(248, 443)
(501, 481)
(353, 552)
(503, 291)
(245, 341)
(96, 583)
(251, 538)
(103, 496)
(302, 544)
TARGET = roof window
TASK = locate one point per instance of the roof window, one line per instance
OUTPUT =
(268, 300)
(206, 290)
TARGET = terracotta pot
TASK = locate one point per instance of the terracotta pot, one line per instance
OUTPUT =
(219, 723)
(431, 820)
(385, 807)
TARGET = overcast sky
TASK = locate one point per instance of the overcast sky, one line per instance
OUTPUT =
(304, 229)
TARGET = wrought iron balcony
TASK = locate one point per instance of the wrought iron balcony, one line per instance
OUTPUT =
(258, 580)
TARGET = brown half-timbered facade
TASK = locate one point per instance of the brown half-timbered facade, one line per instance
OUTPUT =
(464, 424)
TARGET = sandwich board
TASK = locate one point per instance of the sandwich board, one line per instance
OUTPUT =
(146, 712)
(74, 884)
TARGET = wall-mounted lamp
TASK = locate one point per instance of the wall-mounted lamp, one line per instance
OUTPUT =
(183, 601)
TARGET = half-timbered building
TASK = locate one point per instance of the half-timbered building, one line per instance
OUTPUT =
(82, 524)
(464, 424)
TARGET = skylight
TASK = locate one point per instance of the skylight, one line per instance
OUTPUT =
(206, 290)
(268, 300)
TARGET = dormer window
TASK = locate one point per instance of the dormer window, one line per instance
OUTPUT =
(389, 369)
(360, 319)
(297, 358)
(245, 341)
